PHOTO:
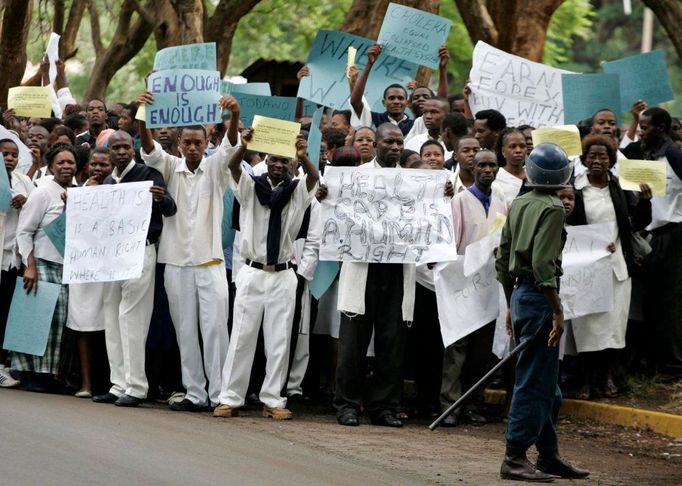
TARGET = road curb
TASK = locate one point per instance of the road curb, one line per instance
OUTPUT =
(662, 423)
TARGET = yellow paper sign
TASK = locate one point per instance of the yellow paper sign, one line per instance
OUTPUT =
(30, 101)
(632, 173)
(273, 136)
(141, 113)
(566, 136)
(497, 223)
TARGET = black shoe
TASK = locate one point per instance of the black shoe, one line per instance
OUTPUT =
(450, 421)
(555, 465)
(252, 400)
(475, 418)
(386, 419)
(106, 398)
(128, 401)
(349, 418)
(185, 405)
(516, 466)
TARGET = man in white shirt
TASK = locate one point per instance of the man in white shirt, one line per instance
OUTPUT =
(191, 247)
(433, 113)
(271, 209)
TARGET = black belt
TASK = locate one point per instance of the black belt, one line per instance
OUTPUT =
(278, 267)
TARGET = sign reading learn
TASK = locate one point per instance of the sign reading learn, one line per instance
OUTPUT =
(413, 35)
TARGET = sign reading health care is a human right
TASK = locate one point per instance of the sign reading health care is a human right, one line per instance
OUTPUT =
(525, 92)
(413, 35)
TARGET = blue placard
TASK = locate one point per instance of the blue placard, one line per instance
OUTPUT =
(323, 278)
(327, 83)
(262, 89)
(309, 108)
(5, 189)
(280, 107)
(56, 232)
(642, 77)
(315, 137)
(585, 94)
(183, 97)
(30, 318)
(190, 56)
(413, 35)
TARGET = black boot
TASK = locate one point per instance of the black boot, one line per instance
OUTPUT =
(554, 464)
(516, 466)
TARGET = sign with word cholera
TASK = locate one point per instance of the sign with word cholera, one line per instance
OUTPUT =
(106, 232)
(386, 216)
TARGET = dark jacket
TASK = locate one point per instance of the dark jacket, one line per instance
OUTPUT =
(167, 207)
(632, 214)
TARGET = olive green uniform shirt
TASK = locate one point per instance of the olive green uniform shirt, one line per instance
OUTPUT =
(532, 241)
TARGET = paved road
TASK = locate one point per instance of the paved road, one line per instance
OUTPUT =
(61, 440)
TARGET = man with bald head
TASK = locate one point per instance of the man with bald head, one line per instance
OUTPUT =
(128, 304)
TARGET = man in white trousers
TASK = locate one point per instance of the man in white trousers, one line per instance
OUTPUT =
(191, 247)
(271, 210)
(128, 304)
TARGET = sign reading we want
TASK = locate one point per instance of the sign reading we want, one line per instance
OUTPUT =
(386, 216)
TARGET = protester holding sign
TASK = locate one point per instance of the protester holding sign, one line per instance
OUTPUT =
(599, 199)
(20, 187)
(44, 262)
(191, 247)
(128, 304)
(271, 211)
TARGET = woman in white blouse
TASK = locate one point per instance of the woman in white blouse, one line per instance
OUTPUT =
(512, 159)
(600, 199)
(44, 262)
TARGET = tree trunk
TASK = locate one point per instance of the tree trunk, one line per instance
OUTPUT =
(515, 26)
(364, 18)
(669, 14)
(177, 22)
(67, 44)
(16, 21)
(126, 42)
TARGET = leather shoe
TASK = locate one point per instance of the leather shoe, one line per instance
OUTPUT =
(555, 465)
(386, 419)
(349, 418)
(474, 418)
(106, 398)
(225, 411)
(277, 413)
(128, 401)
(186, 405)
(450, 421)
(516, 466)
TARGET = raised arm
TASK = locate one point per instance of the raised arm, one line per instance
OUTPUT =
(303, 72)
(637, 108)
(231, 103)
(146, 139)
(235, 163)
(466, 92)
(444, 56)
(359, 88)
(302, 155)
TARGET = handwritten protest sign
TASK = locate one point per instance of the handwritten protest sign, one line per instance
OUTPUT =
(280, 107)
(566, 136)
(315, 137)
(106, 232)
(262, 89)
(5, 188)
(276, 137)
(413, 35)
(189, 56)
(56, 232)
(327, 83)
(478, 254)
(25, 157)
(587, 283)
(632, 173)
(525, 92)
(30, 318)
(386, 216)
(642, 77)
(30, 101)
(465, 304)
(183, 97)
(584, 94)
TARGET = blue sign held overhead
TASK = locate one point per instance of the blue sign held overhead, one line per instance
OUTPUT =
(189, 56)
(584, 94)
(413, 35)
(262, 89)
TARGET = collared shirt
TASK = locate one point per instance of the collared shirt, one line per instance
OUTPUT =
(373, 119)
(20, 184)
(509, 184)
(484, 198)
(129, 167)
(193, 236)
(254, 218)
(43, 206)
(532, 240)
(415, 143)
(471, 222)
